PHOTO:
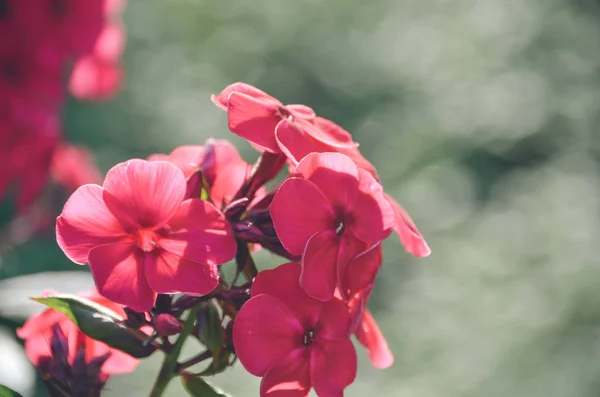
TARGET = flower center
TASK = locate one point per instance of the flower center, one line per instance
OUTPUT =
(146, 240)
(309, 337)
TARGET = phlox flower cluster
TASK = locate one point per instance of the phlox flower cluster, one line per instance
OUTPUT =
(163, 227)
(49, 48)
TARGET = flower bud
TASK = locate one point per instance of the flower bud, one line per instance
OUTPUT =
(167, 325)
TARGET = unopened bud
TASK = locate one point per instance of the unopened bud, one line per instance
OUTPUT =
(167, 325)
(247, 231)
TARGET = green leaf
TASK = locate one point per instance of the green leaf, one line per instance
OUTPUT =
(99, 323)
(6, 392)
(209, 329)
(197, 387)
(220, 362)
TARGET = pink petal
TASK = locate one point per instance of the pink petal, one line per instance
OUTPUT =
(369, 335)
(326, 137)
(265, 331)
(118, 271)
(243, 88)
(187, 158)
(170, 274)
(93, 78)
(373, 214)
(199, 233)
(334, 321)
(333, 367)
(295, 143)
(39, 323)
(283, 283)
(117, 363)
(289, 376)
(253, 120)
(299, 210)
(301, 111)
(350, 247)
(149, 191)
(409, 235)
(335, 175)
(85, 223)
(319, 265)
(361, 271)
(333, 132)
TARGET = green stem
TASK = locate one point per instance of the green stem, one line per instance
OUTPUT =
(169, 367)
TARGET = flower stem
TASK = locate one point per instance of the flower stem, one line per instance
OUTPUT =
(168, 369)
(194, 360)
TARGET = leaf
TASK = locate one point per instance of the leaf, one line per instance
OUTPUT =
(220, 362)
(99, 323)
(197, 387)
(6, 392)
(209, 329)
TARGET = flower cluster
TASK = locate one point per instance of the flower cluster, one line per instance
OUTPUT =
(156, 232)
(42, 41)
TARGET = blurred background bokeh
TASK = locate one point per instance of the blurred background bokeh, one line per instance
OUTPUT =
(481, 117)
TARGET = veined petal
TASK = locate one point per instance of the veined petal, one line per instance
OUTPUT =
(373, 214)
(243, 88)
(410, 237)
(170, 274)
(283, 283)
(199, 233)
(265, 331)
(118, 271)
(319, 265)
(370, 336)
(289, 376)
(149, 191)
(295, 143)
(85, 223)
(333, 367)
(253, 120)
(299, 210)
(335, 175)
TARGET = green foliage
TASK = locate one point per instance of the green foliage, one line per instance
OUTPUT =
(197, 387)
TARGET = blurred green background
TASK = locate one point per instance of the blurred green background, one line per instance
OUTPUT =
(481, 117)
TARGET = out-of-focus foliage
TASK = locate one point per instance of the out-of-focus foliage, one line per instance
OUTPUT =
(481, 118)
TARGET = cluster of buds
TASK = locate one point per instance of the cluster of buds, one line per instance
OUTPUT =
(157, 231)
(42, 42)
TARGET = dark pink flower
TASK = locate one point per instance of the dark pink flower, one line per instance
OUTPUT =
(37, 333)
(140, 237)
(410, 237)
(292, 341)
(327, 212)
(274, 127)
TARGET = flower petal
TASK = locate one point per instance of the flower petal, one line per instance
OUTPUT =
(301, 111)
(253, 120)
(334, 321)
(117, 363)
(283, 283)
(370, 336)
(299, 210)
(199, 233)
(243, 88)
(333, 367)
(373, 214)
(333, 132)
(264, 331)
(295, 143)
(411, 238)
(289, 376)
(361, 271)
(118, 271)
(319, 265)
(172, 274)
(149, 191)
(85, 223)
(335, 175)
(334, 138)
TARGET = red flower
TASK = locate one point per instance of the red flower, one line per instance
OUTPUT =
(218, 162)
(327, 212)
(274, 127)
(410, 237)
(141, 238)
(37, 333)
(73, 166)
(293, 341)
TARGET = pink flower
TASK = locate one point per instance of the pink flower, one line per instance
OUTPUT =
(327, 212)
(37, 333)
(218, 162)
(140, 237)
(274, 127)
(73, 166)
(292, 341)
